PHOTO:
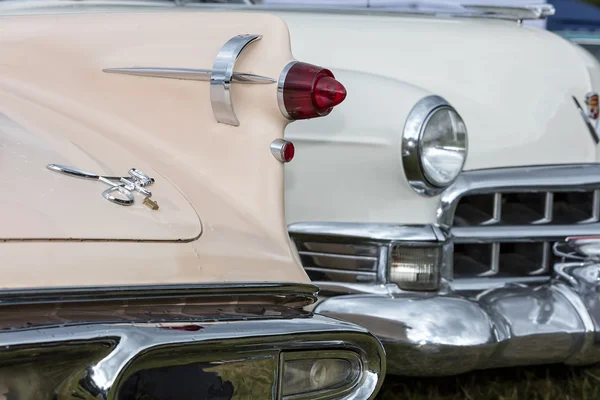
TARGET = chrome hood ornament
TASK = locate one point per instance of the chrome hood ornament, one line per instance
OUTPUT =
(221, 76)
(135, 182)
(590, 117)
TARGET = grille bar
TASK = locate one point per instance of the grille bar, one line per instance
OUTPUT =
(341, 256)
(525, 233)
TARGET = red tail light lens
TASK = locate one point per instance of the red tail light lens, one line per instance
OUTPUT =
(307, 91)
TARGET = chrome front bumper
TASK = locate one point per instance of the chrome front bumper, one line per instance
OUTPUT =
(446, 334)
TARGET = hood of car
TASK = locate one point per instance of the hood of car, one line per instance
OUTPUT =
(513, 85)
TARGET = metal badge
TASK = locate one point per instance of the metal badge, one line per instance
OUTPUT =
(125, 186)
(221, 76)
(591, 123)
(591, 99)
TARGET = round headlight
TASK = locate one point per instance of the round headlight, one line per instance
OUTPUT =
(434, 145)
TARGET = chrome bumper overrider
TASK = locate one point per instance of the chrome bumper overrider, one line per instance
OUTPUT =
(446, 334)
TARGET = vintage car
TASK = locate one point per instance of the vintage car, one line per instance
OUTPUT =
(175, 279)
(452, 270)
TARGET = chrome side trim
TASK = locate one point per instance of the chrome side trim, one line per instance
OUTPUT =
(342, 256)
(394, 232)
(306, 293)
(519, 13)
(221, 76)
(280, 84)
(555, 178)
(409, 8)
(188, 74)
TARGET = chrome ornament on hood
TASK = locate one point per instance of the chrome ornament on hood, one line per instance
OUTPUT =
(591, 116)
(591, 99)
(136, 182)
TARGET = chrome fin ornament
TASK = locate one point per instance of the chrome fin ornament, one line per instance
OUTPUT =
(221, 76)
(135, 182)
(188, 74)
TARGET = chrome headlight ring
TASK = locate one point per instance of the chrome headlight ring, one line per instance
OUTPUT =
(413, 157)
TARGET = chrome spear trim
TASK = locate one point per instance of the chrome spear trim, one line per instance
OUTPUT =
(220, 77)
(188, 74)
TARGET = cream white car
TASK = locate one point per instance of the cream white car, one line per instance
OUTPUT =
(450, 265)
(176, 278)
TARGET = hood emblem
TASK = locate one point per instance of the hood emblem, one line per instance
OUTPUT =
(591, 99)
(591, 116)
(221, 76)
(135, 182)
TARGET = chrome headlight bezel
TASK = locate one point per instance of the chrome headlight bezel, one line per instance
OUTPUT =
(412, 138)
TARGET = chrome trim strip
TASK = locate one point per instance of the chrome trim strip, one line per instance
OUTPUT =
(353, 272)
(221, 77)
(356, 288)
(524, 233)
(382, 264)
(375, 232)
(280, 84)
(556, 178)
(114, 293)
(482, 283)
(336, 255)
(539, 11)
(458, 11)
(188, 74)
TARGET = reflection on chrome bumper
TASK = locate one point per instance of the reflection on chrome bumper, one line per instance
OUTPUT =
(162, 342)
(446, 334)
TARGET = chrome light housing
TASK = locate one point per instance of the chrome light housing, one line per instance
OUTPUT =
(434, 146)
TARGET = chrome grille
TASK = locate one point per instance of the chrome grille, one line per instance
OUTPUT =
(504, 221)
(530, 208)
(338, 262)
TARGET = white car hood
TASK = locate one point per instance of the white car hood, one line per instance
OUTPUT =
(513, 85)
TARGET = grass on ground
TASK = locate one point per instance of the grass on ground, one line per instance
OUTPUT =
(555, 382)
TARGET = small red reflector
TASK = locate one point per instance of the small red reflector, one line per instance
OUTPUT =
(308, 91)
(282, 150)
(288, 152)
